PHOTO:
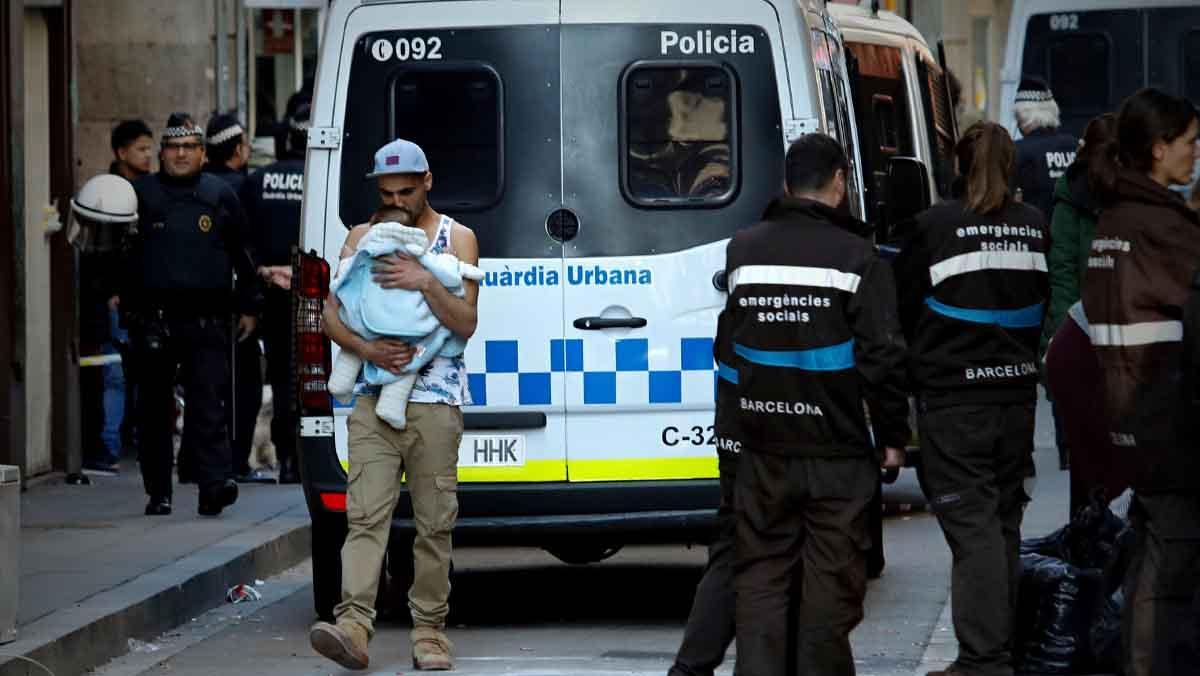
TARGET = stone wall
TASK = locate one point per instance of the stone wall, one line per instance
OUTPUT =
(144, 59)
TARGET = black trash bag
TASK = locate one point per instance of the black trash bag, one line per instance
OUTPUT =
(1091, 540)
(1105, 635)
(1053, 545)
(1055, 606)
(1094, 535)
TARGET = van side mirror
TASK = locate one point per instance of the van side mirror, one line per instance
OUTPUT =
(907, 193)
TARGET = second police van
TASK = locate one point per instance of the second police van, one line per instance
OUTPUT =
(1095, 53)
(603, 153)
(903, 112)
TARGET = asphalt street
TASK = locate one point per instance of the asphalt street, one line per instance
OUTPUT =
(520, 611)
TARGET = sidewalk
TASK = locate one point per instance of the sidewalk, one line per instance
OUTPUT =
(96, 572)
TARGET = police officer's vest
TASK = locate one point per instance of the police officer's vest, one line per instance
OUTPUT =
(273, 198)
(184, 236)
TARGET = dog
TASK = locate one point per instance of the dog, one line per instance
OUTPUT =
(262, 449)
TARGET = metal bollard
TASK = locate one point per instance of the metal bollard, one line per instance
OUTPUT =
(10, 550)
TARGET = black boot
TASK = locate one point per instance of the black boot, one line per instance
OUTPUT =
(288, 472)
(158, 506)
(216, 497)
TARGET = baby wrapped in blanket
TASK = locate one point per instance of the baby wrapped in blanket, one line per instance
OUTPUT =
(374, 312)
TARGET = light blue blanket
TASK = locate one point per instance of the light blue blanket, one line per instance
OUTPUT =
(373, 312)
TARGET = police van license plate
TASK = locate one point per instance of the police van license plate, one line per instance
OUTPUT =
(492, 450)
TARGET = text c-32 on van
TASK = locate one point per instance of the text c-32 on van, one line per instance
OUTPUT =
(705, 43)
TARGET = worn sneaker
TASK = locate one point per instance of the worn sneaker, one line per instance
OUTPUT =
(344, 643)
(431, 650)
(255, 476)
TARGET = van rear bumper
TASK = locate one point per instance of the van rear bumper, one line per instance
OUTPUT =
(532, 514)
(657, 527)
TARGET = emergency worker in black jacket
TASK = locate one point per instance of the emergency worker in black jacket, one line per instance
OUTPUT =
(973, 291)
(809, 333)
(178, 299)
(272, 197)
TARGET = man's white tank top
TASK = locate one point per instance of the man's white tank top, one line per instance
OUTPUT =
(444, 379)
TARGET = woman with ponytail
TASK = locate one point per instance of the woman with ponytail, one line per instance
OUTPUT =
(973, 292)
(1138, 282)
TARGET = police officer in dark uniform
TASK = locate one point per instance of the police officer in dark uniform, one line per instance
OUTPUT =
(228, 153)
(227, 150)
(809, 333)
(1044, 152)
(190, 239)
(272, 198)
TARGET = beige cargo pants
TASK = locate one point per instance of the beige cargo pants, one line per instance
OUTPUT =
(426, 454)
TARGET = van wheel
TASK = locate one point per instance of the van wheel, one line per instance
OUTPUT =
(328, 535)
(578, 555)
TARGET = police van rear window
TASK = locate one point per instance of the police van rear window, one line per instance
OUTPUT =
(454, 114)
(1079, 70)
(679, 124)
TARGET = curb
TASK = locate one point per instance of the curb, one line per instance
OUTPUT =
(942, 648)
(75, 639)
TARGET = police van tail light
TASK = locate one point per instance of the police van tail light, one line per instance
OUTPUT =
(311, 275)
(334, 502)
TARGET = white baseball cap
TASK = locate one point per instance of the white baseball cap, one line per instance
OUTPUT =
(399, 157)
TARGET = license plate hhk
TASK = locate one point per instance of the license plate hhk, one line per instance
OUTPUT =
(492, 451)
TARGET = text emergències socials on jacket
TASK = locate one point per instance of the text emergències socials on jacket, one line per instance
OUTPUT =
(785, 308)
(1101, 246)
(999, 232)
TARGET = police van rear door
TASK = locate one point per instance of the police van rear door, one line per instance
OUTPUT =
(483, 102)
(651, 196)
(1176, 68)
(1092, 60)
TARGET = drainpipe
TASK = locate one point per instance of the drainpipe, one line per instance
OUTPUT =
(242, 57)
(222, 57)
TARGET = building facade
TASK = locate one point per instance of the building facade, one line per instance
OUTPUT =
(70, 70)
(39, 355)
(974, 33)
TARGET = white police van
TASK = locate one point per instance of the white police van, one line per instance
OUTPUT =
(603, 153)
(1095, 53)
(904, 115)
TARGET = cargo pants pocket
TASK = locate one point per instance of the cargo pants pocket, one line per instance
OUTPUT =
(446, 501)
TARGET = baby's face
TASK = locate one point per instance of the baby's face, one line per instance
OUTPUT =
(393, 215)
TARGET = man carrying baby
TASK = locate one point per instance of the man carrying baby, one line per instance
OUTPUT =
(425, 452)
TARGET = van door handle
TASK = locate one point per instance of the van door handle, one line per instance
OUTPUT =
(598, 323)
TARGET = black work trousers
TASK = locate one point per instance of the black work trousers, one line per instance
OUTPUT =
(710, 625)
(194, 351)
(247, 391)
(276, 330)
(1162, 593)
(801, 572)
(974, 464)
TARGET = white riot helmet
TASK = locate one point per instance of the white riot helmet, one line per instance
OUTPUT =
(106, 198)
(99, 210)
